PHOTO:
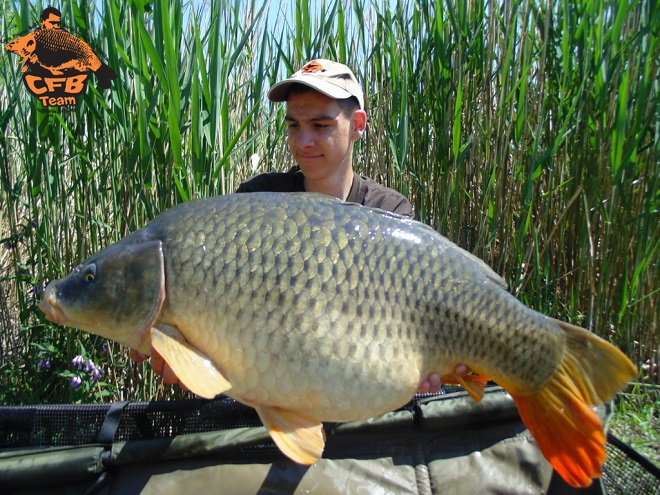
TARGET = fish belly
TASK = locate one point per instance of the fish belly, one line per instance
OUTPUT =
(311, 361)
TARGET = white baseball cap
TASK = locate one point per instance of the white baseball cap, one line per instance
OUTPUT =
(330, 78)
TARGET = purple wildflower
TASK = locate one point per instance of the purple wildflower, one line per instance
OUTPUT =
(76, 381)
(90, 366)
(37, 290)
(78, 361)
(96, 374)
(44, 364)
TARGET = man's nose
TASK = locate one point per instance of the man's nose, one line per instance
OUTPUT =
(305, 137)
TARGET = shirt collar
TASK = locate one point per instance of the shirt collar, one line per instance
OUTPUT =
(358, 190)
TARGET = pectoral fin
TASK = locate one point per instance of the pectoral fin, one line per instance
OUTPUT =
(299, 437)
(194, 369)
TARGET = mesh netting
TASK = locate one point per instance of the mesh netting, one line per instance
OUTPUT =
(29, 428)
(627, 472)
(26, 427)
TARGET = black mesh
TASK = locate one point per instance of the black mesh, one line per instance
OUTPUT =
(626, 471)
(30, 427)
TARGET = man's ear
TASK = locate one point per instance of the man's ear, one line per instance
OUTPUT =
(359, 123)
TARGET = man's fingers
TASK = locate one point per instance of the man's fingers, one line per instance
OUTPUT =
(137, 356)
(159, 366)
(163, 369)
(168, 375)
(432, 384)
(157, 362)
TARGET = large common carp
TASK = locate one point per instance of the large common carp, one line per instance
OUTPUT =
(309, 309)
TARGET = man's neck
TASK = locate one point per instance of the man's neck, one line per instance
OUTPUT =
(339, 186)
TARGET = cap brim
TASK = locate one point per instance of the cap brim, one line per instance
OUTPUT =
(280, 91)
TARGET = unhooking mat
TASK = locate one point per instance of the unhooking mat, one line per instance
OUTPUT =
(443, 443)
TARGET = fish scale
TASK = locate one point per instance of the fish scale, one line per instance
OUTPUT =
(58, 46)
(310, 309)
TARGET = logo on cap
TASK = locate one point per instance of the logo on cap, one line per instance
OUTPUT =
(311, 67)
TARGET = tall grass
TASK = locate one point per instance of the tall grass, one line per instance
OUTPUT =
(527, 132)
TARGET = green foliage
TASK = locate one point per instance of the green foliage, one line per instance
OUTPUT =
(528, 133)
(637, 414)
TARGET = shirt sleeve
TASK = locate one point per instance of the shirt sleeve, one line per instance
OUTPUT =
(243, 187)
(403, 208)
(371, 193)
(290, 181)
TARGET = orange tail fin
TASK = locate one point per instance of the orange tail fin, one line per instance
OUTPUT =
(560, 416)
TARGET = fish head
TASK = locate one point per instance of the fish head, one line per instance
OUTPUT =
(117, 293)
(23, 46)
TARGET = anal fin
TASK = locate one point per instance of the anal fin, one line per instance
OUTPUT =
(474, 385)
(298, 436)
(192, 368)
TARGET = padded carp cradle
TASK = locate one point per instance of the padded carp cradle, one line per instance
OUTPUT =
(440, 443)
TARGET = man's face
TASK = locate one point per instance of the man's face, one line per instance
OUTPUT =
(53, 21)
(321, 136)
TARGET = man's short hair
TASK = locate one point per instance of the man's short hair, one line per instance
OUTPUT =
(45, 14)
(347, 105)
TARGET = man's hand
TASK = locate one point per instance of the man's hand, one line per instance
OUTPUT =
(159, 366)
(432, 384)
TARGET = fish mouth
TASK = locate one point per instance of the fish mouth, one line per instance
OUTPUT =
(51, 309)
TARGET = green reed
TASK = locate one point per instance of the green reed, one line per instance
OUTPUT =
(526, 132)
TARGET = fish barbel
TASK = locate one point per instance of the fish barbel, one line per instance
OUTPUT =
(310, 309)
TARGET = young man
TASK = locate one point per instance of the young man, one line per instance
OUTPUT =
(325, 116)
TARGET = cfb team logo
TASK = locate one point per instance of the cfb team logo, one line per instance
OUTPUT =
(58, 62)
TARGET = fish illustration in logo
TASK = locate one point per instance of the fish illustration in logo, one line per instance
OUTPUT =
(52, 51)
(57, 50)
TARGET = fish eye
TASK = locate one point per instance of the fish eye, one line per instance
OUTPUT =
(90, 272)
